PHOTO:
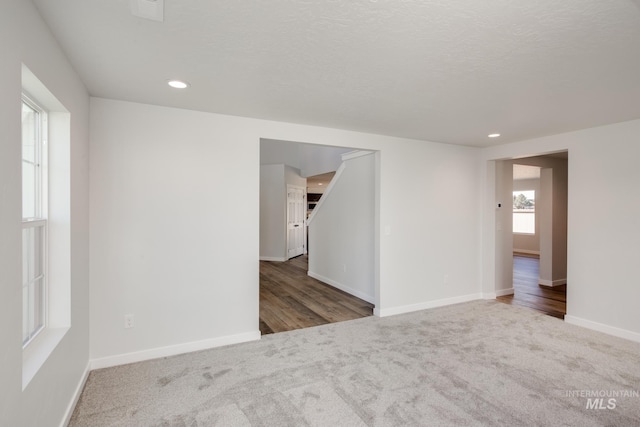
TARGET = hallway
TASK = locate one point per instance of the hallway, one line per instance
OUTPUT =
(290, 299)
(528, 293)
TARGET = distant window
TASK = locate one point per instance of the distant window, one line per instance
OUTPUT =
(524, 212)
(34, 220)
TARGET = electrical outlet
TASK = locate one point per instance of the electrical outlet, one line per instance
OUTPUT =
(344, 267)
(446, 279)
(128, 321)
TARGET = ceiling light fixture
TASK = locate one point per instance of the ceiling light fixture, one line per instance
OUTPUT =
(178, 84)
(494, 135)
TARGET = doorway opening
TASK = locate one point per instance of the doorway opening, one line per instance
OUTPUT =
(335, 279)
(532, 232)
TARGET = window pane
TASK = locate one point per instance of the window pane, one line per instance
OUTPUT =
(524, 208)
(28, 242)
(31, 305)
(25, 314)
(38, 259)
(25, 255)
(28, 190)
(30, 162)
(38, 305)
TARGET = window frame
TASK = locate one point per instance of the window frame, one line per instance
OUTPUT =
(38, 224)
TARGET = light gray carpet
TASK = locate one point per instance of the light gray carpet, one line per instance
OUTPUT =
(478, 363)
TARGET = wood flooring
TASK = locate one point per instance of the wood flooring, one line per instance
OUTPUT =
(528, 293)
(289, 299)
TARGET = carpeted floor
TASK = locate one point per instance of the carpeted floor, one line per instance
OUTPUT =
(478, 363)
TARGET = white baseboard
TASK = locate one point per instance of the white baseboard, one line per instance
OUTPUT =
(503, 292)
(489, 295)
(155, 353)
(347, 289)
(600, 327)
(272, 258)
(76, 396)
(425, 305)
(552, 283)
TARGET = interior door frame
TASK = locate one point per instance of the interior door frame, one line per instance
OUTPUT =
(303, 222)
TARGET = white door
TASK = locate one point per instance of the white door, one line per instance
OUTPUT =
(295, 220)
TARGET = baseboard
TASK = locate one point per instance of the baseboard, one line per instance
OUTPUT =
(347, 289)
(526, 252)
(600, 327)
(272, 258)
(155, 353)
(76, 396)
(503, 292)
(552, 283)
(426, 305)
(489, 295)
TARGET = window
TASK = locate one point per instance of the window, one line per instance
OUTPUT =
(524, 212)
(34, 220)
(46, 219)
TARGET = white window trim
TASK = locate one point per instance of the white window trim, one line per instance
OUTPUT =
(41, 208)
(58, 214)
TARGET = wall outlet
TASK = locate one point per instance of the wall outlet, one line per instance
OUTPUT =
(344, 267)
(446, 279)
(128, 321)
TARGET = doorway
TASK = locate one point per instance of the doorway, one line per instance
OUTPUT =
(296, 213)
(531, 232)
(293, 295)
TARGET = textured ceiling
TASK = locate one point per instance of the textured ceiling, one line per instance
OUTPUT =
(442, 70)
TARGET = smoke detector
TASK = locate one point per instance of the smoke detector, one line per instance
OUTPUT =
(148, 9)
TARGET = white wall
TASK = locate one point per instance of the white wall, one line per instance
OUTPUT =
(174, 223)
(316, 159)
(273, 212)
(602, 223)
(503, 227)
(175, 215)
(25, 39)
(310, 159)
(341, 230)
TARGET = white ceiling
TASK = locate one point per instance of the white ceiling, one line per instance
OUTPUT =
(442, 70)
(525, 172)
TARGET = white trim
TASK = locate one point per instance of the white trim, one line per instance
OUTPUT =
(503, 292)
(600, 327)
(552, 283)
(525, 251)
(332, 183)
(489, 295)
(426, 305)
(347, 289)
(76, 396)
(272, 258)
(38, 351)
(172, 350)
(355, 154)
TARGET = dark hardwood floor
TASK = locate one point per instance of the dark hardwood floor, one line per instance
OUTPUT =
(528, 293)
(289, 299)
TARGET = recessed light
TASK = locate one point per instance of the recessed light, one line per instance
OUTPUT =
(178, 84)
(494, 135)
(319, 183)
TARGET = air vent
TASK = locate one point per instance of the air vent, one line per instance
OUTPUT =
(148, 9)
